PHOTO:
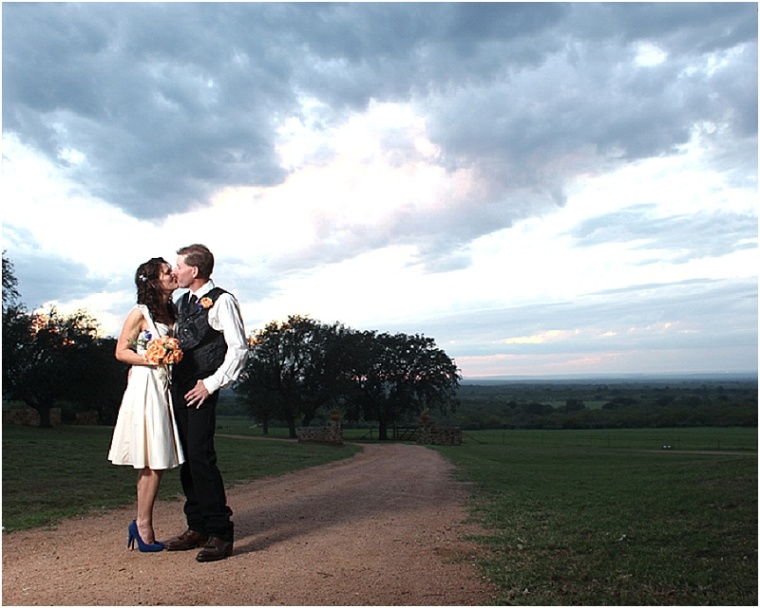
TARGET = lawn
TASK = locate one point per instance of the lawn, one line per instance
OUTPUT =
(49, 474)
(610, 517)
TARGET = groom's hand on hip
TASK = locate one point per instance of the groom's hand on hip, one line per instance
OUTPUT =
(197, 395)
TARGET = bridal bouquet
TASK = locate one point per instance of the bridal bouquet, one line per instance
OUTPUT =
(163, 351)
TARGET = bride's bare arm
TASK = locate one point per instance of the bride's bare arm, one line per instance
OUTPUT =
(133, 326)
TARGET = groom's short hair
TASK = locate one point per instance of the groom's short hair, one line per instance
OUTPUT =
(199, 256)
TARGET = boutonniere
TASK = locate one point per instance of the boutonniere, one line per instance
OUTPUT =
(205, 303)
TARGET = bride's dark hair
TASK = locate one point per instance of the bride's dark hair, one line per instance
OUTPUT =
(149, 292)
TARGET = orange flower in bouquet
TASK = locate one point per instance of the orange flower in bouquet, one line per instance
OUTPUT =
(163, 351)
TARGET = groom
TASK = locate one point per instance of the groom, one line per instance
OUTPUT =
(211, 335)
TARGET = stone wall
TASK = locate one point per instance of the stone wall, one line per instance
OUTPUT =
(429, 434)
(331, 433)
(90, 417)
(29, 417)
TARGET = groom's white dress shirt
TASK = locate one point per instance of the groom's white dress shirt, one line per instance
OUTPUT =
(225, 316)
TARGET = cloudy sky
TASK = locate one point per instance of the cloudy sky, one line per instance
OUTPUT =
(544, 189)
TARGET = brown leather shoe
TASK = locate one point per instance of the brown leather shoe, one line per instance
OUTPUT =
(215, 549)
(189, 539)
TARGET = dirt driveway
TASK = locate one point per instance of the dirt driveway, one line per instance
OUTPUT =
(381, 528)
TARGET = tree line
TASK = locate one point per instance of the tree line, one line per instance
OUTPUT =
(51, 359)
(297, 370)
(618, 404)
(302, 368)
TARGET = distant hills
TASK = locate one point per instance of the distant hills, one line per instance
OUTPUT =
(615, 378)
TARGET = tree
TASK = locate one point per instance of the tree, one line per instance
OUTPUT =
(271, 378)
(17, 326)
(294, 369)
(326, 369)
(98, 378)
(301, 366)
(398, 375)
(258, 384)
(46, 354)
(49, 357)
(573, 404)
(10, 284)
(17, 339)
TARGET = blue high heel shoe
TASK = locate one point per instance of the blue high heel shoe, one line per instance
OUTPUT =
(134, 535)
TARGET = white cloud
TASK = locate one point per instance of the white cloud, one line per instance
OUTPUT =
(649, 55)
(478, 176)
(45, 209)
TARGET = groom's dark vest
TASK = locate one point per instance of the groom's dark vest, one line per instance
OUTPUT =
(203, 347)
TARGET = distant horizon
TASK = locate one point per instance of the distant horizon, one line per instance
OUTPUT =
(749, 375)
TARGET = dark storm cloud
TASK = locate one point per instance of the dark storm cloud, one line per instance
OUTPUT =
(40, 275)
(172, 102)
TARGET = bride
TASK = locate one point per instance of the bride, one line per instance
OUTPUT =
(145, 436)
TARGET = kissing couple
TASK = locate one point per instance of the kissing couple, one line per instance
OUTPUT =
(181, 354)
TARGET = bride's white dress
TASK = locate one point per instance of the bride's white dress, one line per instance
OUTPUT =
(146, 433)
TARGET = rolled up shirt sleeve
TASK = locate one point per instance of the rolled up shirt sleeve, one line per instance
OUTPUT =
(225, 317)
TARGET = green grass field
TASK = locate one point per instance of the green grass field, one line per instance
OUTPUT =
(573, 517)
(612, 518)
(49, 474)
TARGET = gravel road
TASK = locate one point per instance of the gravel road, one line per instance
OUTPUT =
(384, 528)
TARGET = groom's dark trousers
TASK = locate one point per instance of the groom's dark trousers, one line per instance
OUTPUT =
(206, 503)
